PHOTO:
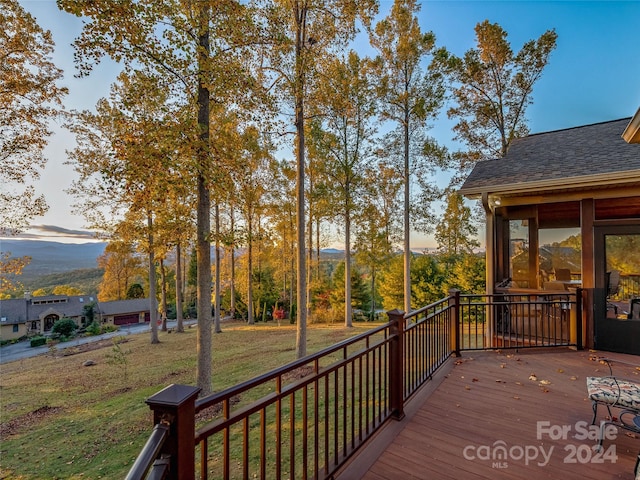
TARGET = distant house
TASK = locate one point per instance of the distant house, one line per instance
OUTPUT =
(581, 183)
(21, 317)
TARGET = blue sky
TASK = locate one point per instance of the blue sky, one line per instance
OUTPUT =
(593, 75)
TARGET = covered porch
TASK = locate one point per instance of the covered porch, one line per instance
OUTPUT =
(563, 212)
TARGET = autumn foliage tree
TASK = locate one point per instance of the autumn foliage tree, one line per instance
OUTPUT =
(492, 88)
(198, 44)
(409, 97)
(300, 34)
(346, 103)
(122, 268)
(29, 98)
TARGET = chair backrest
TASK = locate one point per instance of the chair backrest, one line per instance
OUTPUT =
(563, 274)
(554, 286)
(613, 282)
(634, 314)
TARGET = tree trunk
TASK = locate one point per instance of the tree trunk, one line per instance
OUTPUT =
(216, 313)
(203, 288)
(407, 243)
(163, 295)
(250, 316)
(232, 303)
(301, 271)
(347, 268)
(373, 294)
(179, 321)
(153, 310)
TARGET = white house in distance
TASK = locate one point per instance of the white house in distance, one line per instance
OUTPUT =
(21, 317)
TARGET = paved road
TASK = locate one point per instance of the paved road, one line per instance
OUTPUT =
(18, 351)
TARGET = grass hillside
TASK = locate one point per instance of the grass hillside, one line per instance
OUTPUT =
(62, 420)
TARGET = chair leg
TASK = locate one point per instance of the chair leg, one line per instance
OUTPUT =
(595, 412)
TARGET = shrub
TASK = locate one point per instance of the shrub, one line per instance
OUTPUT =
(64, 327)
(38, 341)
(108, 328)
(94, 328)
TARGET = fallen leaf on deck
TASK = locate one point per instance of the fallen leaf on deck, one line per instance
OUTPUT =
(560, 370)
(516, 397)
(519, 383)
(467, 387)
(533, 377)
(545, 382)
(502, 365)
(475, 380)
(631, 435)
(573, 377)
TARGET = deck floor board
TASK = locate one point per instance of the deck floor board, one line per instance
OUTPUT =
(492, 399)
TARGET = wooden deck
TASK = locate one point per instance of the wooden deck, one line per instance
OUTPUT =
(485, 400)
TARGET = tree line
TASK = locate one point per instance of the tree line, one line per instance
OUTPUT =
(258, 127)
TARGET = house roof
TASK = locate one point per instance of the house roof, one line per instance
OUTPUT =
(20, 310)
(579, 157)
(119, 307)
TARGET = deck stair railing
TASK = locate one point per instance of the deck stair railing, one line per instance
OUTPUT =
(306, 419)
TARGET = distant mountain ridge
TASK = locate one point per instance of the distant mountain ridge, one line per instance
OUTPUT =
(53, 257)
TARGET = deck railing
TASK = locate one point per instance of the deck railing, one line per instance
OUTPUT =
(307, 418)
(512, 319)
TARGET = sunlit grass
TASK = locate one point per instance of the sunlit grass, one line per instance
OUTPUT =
(71, 421)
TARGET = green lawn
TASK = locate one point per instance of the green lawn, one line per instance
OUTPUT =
(60, 419)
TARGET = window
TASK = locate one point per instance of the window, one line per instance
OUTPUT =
(559, 255)
(519, 252)
(16, 328)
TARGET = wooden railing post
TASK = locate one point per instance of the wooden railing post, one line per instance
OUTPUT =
(579, 344)
(175, 406)
(396, 364)
(454, 303)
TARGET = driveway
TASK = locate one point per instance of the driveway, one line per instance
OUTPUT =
(21, 350)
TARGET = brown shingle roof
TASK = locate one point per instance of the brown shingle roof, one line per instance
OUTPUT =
(562, 158)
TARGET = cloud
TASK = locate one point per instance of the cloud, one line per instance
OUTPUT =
(54, 230)
(56, 234)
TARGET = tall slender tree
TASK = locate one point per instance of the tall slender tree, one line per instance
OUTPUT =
(456, 232)
(197, 43)
(345, 101)
(409, 98)
(300, 33)
(251, 178)
(124, 157)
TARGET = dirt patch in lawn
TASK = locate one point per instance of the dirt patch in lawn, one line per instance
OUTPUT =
(86, 347)
(214, 411)
(26, 421)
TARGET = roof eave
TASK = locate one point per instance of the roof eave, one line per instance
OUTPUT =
(631, 134)
(591, 181)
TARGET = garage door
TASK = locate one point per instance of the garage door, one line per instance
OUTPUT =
(125, 319)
